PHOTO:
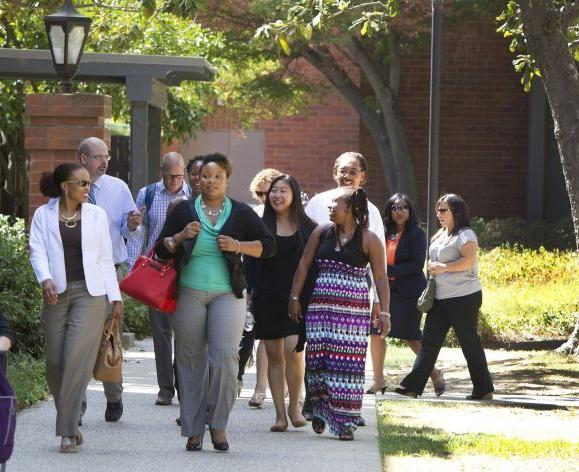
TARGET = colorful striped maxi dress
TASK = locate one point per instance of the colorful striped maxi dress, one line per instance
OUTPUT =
(337, 325)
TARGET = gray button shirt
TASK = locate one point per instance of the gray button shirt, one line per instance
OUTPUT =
(446, 249)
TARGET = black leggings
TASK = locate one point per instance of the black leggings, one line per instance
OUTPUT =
(460, 313)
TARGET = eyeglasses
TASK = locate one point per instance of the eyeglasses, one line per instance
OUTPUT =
(174, 176)
(100, 157)
(400, 208)
(80, 183)
(442, 210)
(348, 171)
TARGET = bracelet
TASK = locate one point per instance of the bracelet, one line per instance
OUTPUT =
(238, 246)
(293, 298)
(385, 313)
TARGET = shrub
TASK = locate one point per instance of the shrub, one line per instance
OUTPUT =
(20, 294)
(136, 318)
(528, 293)
(28, 378)
(532, 235)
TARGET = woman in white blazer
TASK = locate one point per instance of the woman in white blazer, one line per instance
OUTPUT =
(71, 254)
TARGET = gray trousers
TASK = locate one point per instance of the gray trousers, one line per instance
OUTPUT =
(163, 345)
(208, 328)
(73, 332)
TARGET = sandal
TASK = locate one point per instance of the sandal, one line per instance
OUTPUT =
(318, 425)
(68, 445)
(256, 401)
(194, 444)
(374, 389)
(346, 435)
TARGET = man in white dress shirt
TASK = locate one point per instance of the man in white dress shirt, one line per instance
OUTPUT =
(350, 171)
(114, 197)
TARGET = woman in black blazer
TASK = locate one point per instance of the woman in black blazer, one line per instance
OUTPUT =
(405, 254)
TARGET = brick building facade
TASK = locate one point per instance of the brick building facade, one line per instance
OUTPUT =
(484, 122)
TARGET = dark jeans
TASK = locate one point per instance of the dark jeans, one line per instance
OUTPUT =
(460, 313)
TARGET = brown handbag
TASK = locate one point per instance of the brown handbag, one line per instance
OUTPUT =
(109, 362)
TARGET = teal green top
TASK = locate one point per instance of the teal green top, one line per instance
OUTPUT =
(207, 268)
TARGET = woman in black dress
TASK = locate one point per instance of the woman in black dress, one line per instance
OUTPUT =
(284, 339)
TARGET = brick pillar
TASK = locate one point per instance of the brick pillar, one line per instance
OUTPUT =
(57, 124)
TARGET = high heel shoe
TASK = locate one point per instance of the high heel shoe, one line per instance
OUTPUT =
(439, 385)
(374, 389)
(222, 446)
(486, 396)
(406, 392)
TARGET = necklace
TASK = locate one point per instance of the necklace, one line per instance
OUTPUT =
(343, 240)
(212, 212)
(69, 221)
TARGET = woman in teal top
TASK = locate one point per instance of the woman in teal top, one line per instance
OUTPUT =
(206, 237)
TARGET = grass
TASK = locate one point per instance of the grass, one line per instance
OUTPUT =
(27, 376)
(401, 435)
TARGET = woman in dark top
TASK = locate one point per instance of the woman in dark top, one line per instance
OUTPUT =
(206, 237)
(405, 256)
(285, 217)
(338, 315)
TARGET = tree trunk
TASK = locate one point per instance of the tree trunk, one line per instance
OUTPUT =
(545, 31)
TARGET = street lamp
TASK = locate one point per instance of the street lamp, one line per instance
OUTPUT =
(67, 31)
(434, 118)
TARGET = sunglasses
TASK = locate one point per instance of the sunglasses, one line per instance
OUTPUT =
(260, 194)
(442, 210)
(400, 208)
(80, 183)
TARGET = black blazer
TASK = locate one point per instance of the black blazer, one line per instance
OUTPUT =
(243, 224)
(408, 272)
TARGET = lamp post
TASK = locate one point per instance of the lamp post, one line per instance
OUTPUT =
(67, 31)
(434, 118)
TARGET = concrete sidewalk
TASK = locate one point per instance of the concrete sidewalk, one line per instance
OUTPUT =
(148, 439)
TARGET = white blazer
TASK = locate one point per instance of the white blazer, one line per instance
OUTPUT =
(47, 252)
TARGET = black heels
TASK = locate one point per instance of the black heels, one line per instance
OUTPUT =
(222, 446)
(374, 389)
(406, 392)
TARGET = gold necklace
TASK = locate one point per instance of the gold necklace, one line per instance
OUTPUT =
(69, 221)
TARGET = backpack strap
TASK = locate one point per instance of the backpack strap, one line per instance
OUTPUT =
(150, 195)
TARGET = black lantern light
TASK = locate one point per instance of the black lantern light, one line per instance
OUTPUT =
(67, 31)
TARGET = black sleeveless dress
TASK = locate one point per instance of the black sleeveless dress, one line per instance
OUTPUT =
(273, 290)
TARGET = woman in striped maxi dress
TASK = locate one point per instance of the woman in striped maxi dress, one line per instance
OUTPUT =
(338, 316)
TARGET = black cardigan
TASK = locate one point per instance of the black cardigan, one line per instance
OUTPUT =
(243, 224)
(408, 271)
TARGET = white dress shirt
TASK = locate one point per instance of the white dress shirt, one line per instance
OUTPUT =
(153, 221)
(114, 197)
(47, 252)
(318, 210)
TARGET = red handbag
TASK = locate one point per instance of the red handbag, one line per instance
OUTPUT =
(153, 283)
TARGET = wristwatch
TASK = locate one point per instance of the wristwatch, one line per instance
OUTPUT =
(293, 298)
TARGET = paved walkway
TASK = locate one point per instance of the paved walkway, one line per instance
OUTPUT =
(147, 438)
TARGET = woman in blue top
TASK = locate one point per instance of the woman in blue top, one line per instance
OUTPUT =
(206, 237)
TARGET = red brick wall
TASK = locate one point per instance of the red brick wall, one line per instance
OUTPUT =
(483, 134)
(57, 125)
